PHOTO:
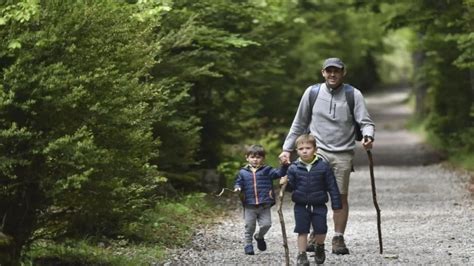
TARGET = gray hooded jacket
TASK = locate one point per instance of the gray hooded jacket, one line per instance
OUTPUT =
(330, 120)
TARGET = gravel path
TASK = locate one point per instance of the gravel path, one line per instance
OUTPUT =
(427, 214)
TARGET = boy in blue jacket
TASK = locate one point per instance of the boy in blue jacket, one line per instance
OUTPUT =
(311, 179)
(255, 181)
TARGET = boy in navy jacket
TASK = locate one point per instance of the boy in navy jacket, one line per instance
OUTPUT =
(255, 181)
(311, 179)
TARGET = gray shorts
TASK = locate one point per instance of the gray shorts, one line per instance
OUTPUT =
(341, 164)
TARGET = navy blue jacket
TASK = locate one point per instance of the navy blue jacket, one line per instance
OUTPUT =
(257, 188)
(312, 188)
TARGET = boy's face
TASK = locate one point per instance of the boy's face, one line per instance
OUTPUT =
(255, 160)
(306, 151)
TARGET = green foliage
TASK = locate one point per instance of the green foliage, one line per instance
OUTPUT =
(395, 64)
(168, 224)
(145, 241)
(229, 170)
(235, 156)
(76, 118)
(105, 105)
(465, 39)
(458, 147)
(444, 31)
(86, 252)
(222, 68)
(463, 160)
(354, 36)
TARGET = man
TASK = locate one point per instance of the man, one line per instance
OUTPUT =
(330, 121)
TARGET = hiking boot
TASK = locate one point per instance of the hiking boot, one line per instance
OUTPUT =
(320, 255)
(261, 244)
(338, 246)
(302, 259)
(249, 250)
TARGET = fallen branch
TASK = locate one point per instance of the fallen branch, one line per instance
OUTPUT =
(224, 189)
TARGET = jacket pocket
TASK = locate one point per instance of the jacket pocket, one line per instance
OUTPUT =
(299, 197)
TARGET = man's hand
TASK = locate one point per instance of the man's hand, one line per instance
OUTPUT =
(367, 143)
(284, 157)
(283, 180)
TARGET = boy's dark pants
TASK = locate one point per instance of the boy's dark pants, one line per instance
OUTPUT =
(307, 215)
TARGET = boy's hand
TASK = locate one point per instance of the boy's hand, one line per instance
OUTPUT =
(237, 189)
(283, 180)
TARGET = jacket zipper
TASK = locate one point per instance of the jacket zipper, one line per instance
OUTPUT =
(330, 104)
(255, 187)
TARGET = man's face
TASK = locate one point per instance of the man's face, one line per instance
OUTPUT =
(333, 76)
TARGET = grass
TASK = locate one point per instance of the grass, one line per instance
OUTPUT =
(168, 224)
(85, 252)
(460, 158)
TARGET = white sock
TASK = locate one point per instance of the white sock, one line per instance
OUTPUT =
(338, 234)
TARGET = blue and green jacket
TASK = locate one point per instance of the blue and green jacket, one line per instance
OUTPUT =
(257, 187)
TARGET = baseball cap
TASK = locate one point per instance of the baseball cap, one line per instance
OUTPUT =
(334, 62)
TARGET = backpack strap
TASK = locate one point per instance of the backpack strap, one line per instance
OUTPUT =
(349, 91)
(313, 94)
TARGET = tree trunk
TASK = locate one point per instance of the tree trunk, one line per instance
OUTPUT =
(18, 221)
(6, 249)
(420, 87)
(471, 75)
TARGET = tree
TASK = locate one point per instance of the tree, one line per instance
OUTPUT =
(225, 58)
(76, 115)
(445, 48)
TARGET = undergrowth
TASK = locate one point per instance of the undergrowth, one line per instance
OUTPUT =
(168, 224)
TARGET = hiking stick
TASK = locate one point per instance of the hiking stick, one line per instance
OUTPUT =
(374, 197)
(282, 223)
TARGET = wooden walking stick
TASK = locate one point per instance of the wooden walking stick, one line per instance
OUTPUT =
(282, 223)
(374, 197)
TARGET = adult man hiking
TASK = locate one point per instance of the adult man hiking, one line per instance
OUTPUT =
(333, 111)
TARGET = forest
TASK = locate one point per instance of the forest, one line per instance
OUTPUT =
(111, 112)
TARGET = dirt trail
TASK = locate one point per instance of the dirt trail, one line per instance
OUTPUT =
(395, 145)
(427, 214)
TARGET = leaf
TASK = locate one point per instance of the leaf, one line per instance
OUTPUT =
(15, 44)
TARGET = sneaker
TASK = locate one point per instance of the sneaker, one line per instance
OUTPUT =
(338, 246)
(261, 244)
(320, 255)
(302, 259)
(249, 250)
